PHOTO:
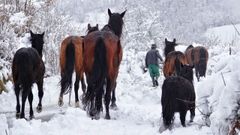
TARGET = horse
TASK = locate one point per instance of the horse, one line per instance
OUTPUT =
(28, 68)
(71, 57)
(102, 58)
(169, 63)
(169, 46)
(178, 95)
(197, 56)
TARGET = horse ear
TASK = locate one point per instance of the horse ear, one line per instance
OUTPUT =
(174, 40)
(109, 12)
(97, 26)
(123, 13)
(31, 33)
(166, 40)
(89, 26)
(42, 34)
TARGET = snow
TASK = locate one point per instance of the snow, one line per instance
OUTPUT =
(139, 106)
(18, 19)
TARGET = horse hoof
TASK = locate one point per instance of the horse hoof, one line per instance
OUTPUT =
(96, 116)
(107, 117)
(39, 109)
(17, 115)
(31, 117)
(191, 121)
(22, 116)
(60, 103)
(113, 107)
(77, 105)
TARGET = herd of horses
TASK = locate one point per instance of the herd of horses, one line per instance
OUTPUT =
(178, 94)
(98, 54)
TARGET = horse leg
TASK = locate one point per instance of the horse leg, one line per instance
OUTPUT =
(107, 97)
(17, 91)
(24, 97)
(113, 104)
(30, 99)
(40, 95)
(192, 114)
(182, 117)
(76, 87)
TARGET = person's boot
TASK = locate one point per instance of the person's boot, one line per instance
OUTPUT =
(154, 82)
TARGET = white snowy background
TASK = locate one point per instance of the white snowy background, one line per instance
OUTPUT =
(198, 22)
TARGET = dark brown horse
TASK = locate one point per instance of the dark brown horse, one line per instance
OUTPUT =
(28, 68)
(71, 57)
(198, 57)
(169, 63)
(102, 57)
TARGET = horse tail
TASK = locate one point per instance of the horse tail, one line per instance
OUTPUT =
(24, 69)
(99, 71)
(203, 57)
(66, 80)
(167, 101)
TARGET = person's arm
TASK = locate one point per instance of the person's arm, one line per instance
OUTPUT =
(159, 56)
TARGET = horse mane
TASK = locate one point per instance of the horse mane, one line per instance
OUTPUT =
(107, 27)
(189, 47)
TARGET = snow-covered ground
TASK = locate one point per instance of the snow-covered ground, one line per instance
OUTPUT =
(139, 106)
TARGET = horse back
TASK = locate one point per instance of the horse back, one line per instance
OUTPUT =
(183, 91)
(27, 60)
(113, 47)
(169, 63)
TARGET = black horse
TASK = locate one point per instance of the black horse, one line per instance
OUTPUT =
(28, 68)
(178, 95)
(169, 46)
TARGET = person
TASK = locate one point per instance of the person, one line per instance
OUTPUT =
(151, 62)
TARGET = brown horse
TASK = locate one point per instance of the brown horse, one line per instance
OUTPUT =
(28, 68)
(102, 57)
(169, 63)
(71, 56)
(198, 57)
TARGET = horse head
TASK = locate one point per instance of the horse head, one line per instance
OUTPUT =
(92, 29)
(115, 22)
(37, 41)
(169, 46)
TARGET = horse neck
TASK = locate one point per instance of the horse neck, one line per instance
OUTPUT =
(116, 27)
(39, 51)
